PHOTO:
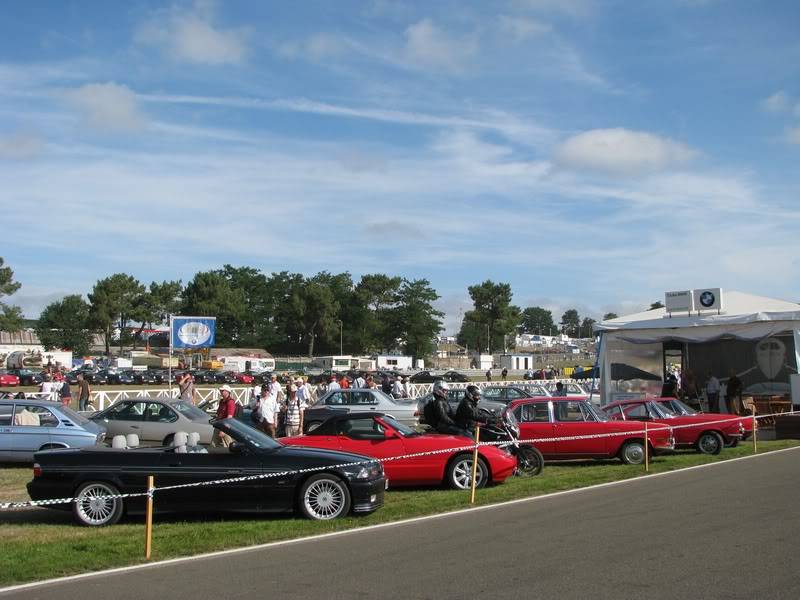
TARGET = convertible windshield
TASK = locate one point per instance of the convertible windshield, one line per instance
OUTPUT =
(190, 411)
(678, 407)
(242, 432)
(78, 418)
(403, 430)
(661, 411)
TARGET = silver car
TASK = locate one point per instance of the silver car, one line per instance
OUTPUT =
(351, 400)
(27, 426)
(154, 420)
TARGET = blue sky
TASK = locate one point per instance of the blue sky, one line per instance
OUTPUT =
(593, 154)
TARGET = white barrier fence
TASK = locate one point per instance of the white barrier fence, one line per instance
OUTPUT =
(467, 446)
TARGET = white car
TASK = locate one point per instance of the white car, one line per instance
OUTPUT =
(351, 400)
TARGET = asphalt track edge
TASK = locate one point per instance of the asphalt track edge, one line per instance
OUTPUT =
(217, 553)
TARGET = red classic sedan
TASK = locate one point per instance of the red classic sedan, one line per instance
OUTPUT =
(553, 419)
(379, 436)
(707, 433)
(7, 379)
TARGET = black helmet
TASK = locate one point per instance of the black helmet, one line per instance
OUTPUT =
(473, 393)
(440, 388)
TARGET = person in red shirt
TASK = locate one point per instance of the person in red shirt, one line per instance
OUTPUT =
(344, 382)
(225, 410)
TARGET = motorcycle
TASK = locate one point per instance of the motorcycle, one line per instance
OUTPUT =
(505, 428)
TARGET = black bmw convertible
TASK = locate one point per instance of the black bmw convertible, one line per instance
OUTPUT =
(265, 476)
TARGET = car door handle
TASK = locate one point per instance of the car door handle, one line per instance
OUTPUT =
(134, 427)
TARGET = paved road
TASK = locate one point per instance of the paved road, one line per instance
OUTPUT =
(729, 531)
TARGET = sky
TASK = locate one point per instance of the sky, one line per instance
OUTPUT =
(592, 154)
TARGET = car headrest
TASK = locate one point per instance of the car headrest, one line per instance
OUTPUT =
(194, 438)
(180, 438)
(119, 441)
(181, 449)
(132, 440)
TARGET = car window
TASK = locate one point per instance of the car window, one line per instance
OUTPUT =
(34, 416)
(535, 412)
(492, 393)
(636, 411)
(160, 413)
(337, 398)
(513, 394)
(362, 398)
(613, 412)
(6, 410)
(126, 411)
(569, 411)
(354, 427)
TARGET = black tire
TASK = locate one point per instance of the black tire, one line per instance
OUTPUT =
(168, 440)
(458, 475)
(92, 510)
(324, 497)
(632, 453)
(530, 461)
(710, 442)
(733, 443)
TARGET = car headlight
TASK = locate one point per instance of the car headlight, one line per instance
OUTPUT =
(370, 471)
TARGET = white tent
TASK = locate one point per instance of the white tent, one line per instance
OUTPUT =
(744, 317)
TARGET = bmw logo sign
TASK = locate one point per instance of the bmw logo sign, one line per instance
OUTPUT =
(194, 333)
(707, 299)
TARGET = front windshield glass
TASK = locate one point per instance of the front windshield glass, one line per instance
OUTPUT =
(510, 418)
(680, 407)
(78, 418)
(598, 414)
(245, 434)
(660, 411)
(403, 430)
(190, 411)
(389, 398)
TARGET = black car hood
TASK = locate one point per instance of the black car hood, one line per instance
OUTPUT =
(332, 456)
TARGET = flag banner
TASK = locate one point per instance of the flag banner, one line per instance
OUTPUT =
(193, 332)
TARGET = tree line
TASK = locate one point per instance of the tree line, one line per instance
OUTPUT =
(286, 313)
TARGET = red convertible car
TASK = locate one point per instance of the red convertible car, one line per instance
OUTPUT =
(7, 379)
(380, 436)
(553, 419)
(707, 433)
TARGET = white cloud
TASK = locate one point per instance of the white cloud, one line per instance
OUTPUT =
(108, 106)
(520, 29)
(777, 103)
(190, 36)
(621, 151)
(20, 146)
(428, 47)
(318, 47)
(570, 8)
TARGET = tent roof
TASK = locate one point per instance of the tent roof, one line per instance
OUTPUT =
(738, 309)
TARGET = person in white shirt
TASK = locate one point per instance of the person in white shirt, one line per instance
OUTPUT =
(406, 387)
(46, 387)
(359, 383)
(268, 408)
(712, 392)
(397, 388)
(334, 385)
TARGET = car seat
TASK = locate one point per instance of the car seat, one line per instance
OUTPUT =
(119, 442)
(131, 440)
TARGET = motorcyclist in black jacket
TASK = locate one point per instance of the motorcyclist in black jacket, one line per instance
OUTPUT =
(442, 414)
(467, 413)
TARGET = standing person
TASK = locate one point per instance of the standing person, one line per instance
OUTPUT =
(84, 391)
(371, 383)
(46, 387)
(386, 385)
(360, 382)
(690, 390)
(334, 385)
(65, 393)
(302, 391)
(489, 375)
(504, 374)
(268, 410)
(712, 392)
(344, 382)
(397, 388)
(225, 410)
(733, 394)
(406, 387)
(186, 387)
(295, 409)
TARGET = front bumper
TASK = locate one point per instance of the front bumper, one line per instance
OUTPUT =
(367, 495)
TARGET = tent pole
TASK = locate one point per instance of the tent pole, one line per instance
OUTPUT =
(595, 369)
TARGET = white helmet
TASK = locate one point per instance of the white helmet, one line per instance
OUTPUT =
(440, 387)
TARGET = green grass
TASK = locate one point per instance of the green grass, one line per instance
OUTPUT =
(43, 544)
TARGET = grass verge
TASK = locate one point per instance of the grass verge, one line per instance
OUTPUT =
(40, 544)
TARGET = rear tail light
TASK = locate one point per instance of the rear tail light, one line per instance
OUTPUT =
(37, 470)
